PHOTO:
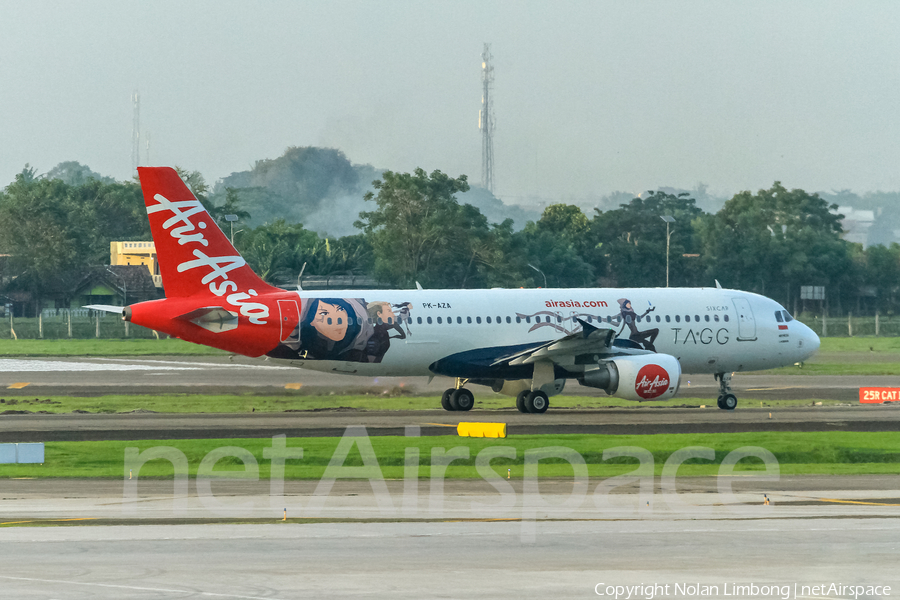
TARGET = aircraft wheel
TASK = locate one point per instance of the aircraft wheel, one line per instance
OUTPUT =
(719, 402)
(537, 402)
(462, 399)
(729, 402)
(521, 400)
(445, 399)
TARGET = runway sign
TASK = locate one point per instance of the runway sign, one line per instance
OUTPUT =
(875, 395)
(22, 453)
(490, 430)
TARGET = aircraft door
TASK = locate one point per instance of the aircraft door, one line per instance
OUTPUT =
(746, 322)
(290, 317)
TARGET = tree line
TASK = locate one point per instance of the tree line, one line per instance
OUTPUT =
(772, 242)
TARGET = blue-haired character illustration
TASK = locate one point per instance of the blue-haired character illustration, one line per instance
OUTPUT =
(329, 329)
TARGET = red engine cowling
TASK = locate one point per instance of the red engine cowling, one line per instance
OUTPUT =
(645, 377)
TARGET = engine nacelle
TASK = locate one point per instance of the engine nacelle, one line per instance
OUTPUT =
(644, 377)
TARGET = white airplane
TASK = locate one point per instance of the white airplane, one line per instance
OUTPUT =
(631, 343)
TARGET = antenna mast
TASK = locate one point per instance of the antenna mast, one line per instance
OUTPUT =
(136, 131)
(486, 120)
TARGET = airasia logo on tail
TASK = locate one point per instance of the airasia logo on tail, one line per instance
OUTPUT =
(652, 381)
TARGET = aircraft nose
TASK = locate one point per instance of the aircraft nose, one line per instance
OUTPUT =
(807, 342)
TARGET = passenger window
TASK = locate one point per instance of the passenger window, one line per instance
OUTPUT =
(628, 318)
(329, 320)
(678, 318)
(726, 318)
(478, 320)
(518, 319)
(418, 320)
(638, 318)
(429, 320)
(687, 318)
(459, 320)
(716, 318)
(668, 319)
(439, 320)
(340, 322)
(379, 321)
(468, 319)
(697, 318)
(558, 319)
(528, 319)
(658, 319)
(706, 317)
(778, 316)
(488, 319)
(508, 320)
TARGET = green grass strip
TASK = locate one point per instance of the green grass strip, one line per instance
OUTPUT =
(797, 453)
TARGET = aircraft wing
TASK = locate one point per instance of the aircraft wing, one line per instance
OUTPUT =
(105, 308)
(590, 345)
(590, 340)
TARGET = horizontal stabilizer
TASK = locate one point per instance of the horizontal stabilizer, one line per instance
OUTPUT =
(212, 318)
(105, 308)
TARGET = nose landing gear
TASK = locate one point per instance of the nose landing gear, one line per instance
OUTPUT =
(726, 400)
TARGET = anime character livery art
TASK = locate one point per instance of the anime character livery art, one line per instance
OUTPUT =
(631, 343)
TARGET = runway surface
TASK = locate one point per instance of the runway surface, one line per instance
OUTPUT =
(540, 545)
(449, 560)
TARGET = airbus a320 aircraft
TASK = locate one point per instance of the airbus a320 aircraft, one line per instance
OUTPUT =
(631, 343)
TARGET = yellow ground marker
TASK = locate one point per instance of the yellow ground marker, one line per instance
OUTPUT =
(19, 386)
(857, 502)
(49, 521)
(482, 430)
(293, 386)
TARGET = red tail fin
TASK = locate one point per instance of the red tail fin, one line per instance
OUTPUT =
(194, 255)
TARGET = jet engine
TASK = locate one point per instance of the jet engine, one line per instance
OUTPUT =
(644, 377)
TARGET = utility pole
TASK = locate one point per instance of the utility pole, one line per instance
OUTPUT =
(136, 131)
(668, 219)
(486, 120)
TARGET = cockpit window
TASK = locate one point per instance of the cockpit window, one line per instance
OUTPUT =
(787, 316)
(778, 316)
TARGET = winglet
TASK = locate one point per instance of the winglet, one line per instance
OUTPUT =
(586, 328)
(718, 285)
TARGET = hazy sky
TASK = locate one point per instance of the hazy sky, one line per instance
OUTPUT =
(591, 97)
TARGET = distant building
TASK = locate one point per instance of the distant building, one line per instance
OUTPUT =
(136, 253)
(856, 224)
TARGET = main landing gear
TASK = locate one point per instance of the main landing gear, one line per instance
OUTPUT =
(458, 398)
(727, 400)
(532, 402)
